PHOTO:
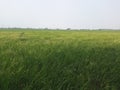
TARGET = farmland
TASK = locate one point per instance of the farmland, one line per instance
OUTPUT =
(59, 60)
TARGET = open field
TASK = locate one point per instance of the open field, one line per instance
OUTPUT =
(59, 60)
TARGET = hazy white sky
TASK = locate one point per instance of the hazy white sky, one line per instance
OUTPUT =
(60, 13)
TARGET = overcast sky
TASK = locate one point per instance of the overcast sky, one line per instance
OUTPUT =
(75, 14)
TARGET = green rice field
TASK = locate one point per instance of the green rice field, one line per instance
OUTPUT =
(59, 59)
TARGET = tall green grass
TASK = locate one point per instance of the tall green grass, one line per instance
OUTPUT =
(59, 60)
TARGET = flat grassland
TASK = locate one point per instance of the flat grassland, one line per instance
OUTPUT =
(59, 60)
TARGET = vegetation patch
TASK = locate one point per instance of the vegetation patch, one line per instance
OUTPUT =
(59, 60)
